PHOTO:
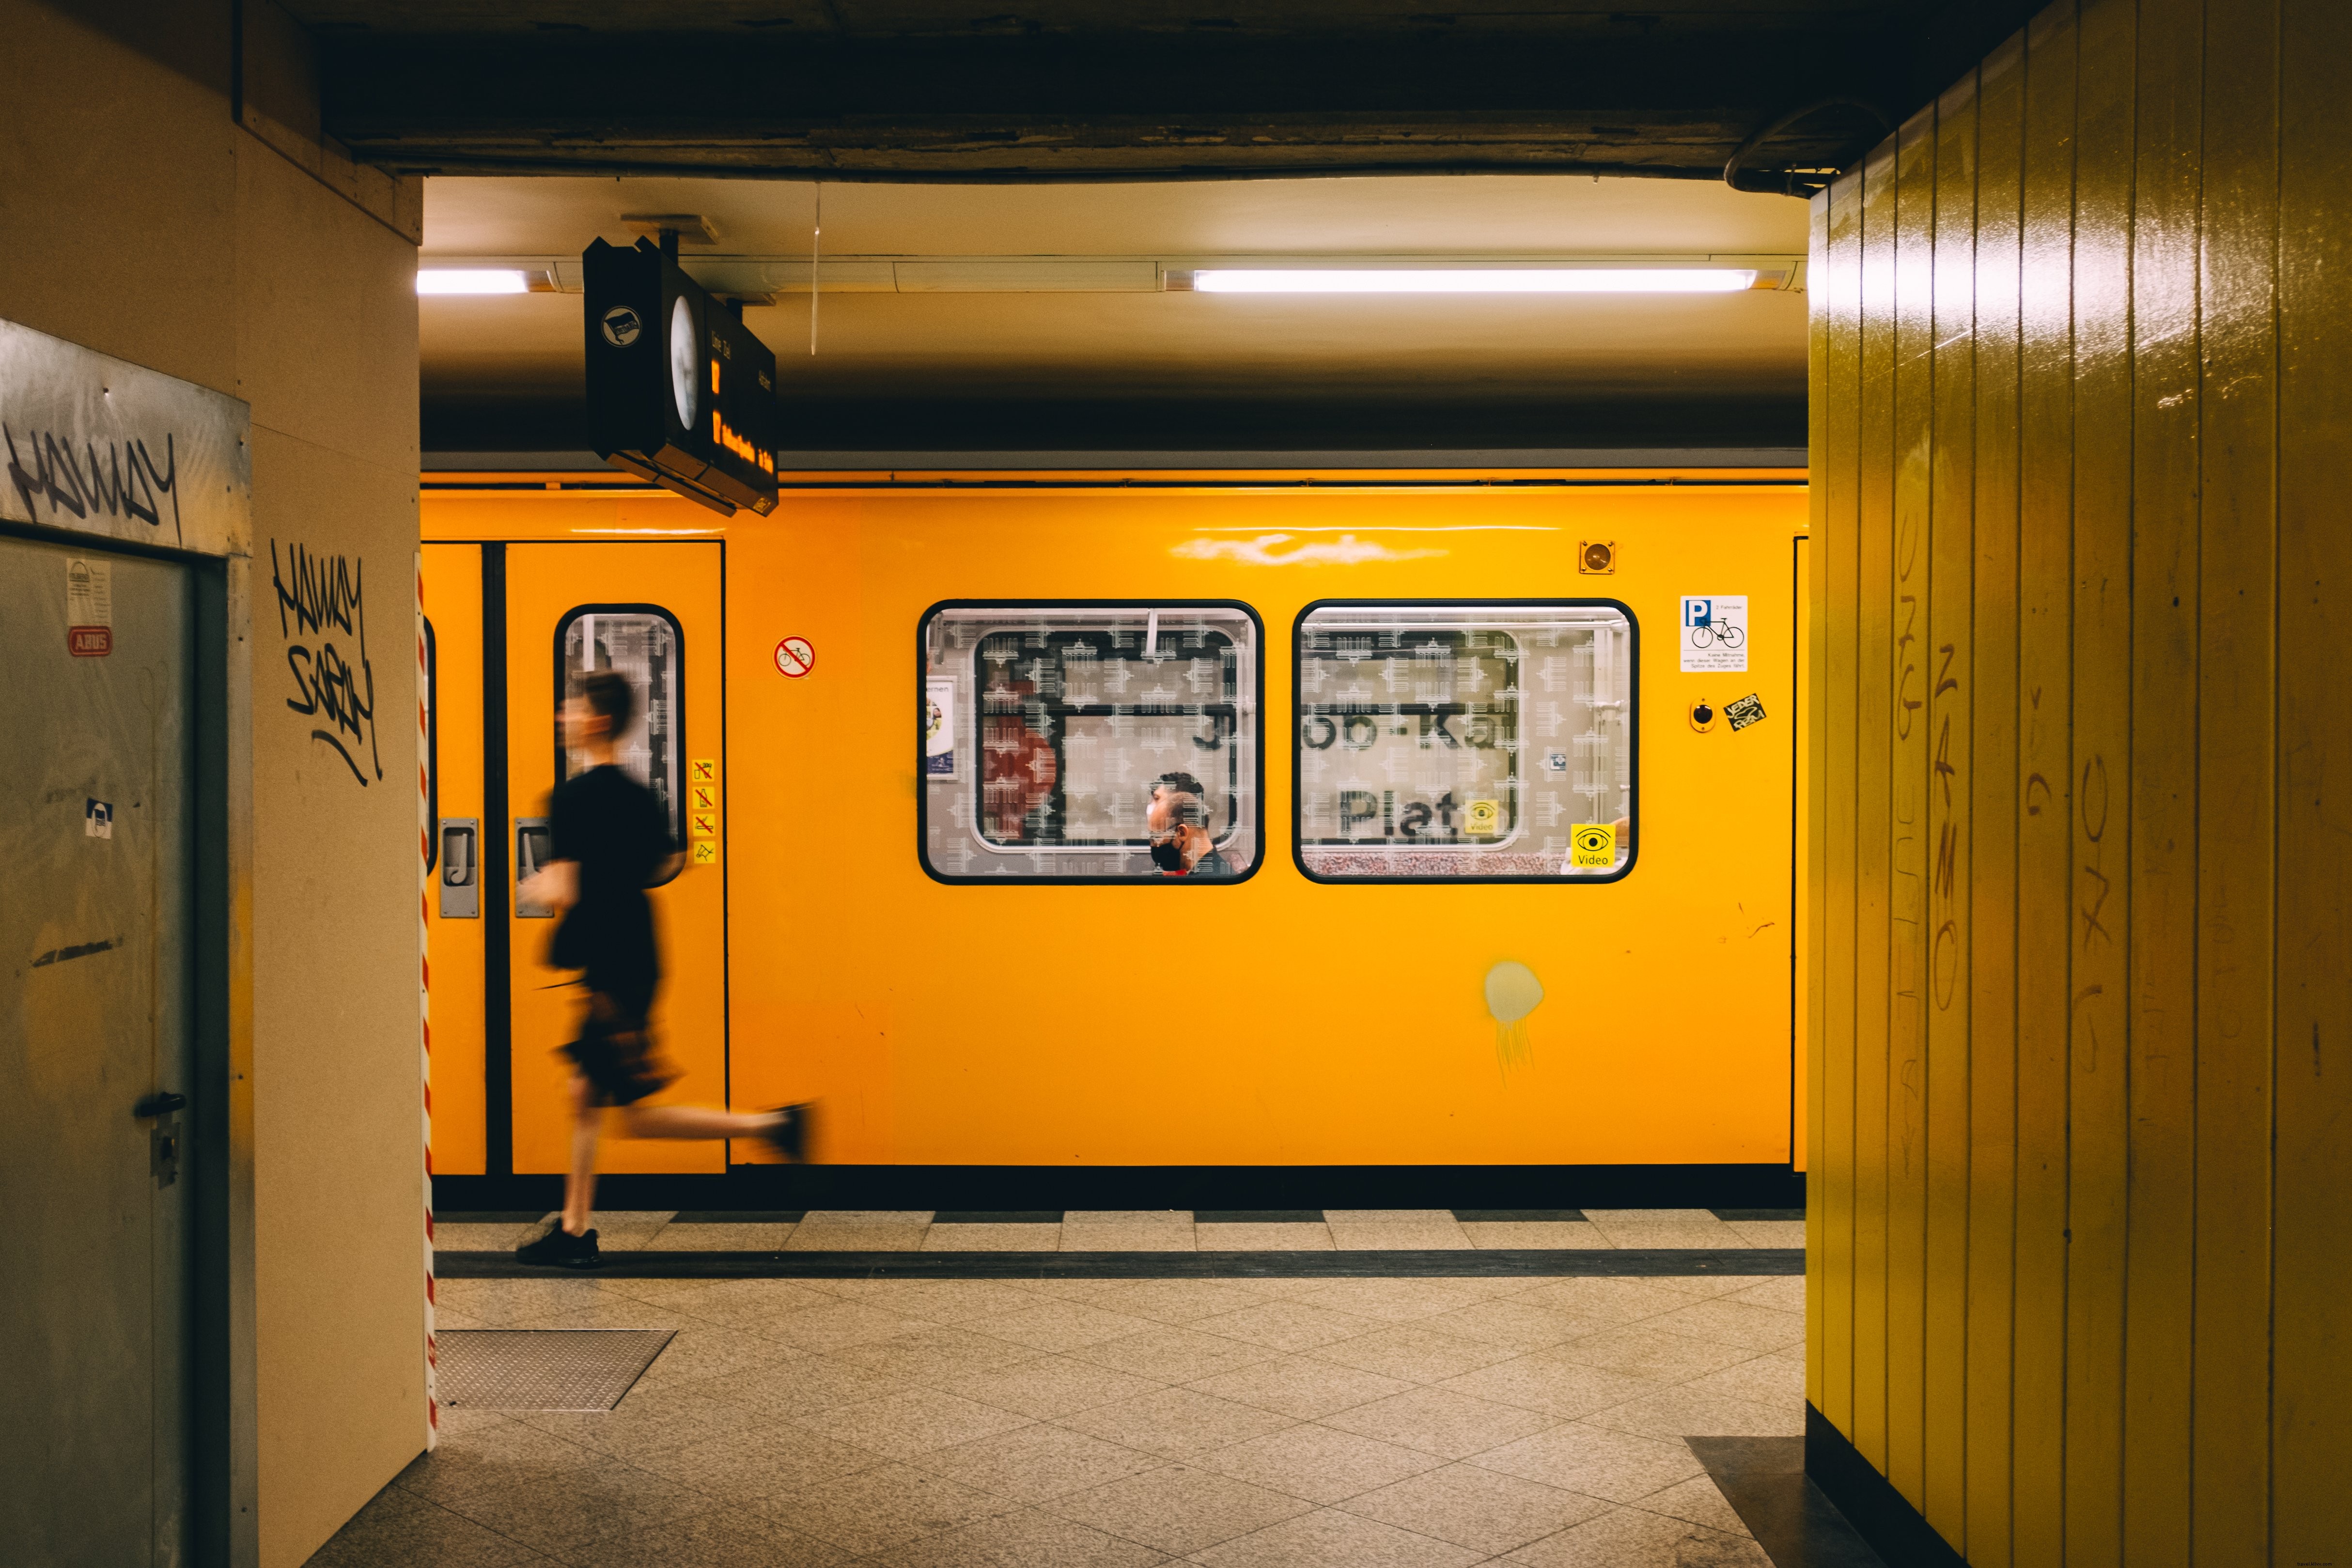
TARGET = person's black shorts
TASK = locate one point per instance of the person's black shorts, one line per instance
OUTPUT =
(614, 1052)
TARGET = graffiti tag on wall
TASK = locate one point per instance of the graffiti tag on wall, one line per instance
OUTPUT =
(318, 601)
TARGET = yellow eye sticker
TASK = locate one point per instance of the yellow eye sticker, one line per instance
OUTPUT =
(1593, 844)
(1484, 818)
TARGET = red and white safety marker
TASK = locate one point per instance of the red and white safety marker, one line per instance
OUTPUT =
(425, 828)
(795, 657)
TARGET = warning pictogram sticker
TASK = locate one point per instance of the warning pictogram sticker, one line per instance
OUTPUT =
(1593, 844)
(795, 657)
(703, 770)
(1484, 818)
(702, 797)
(706, 851)
(702, 825)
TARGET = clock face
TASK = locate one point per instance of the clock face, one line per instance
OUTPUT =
(685, 362)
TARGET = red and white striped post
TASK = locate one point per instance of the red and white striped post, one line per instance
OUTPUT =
(425, 829)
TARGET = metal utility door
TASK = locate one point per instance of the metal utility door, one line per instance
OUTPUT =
(95, 698)
(652, 610)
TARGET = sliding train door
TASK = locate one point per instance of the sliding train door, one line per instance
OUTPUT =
(542, 616)
(652, 612)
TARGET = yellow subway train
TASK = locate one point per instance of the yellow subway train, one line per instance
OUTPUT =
(1085, 823)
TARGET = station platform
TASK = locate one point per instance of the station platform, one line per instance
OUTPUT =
(1230, 1387)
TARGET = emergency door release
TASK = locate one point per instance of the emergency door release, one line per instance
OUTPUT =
(461, 868)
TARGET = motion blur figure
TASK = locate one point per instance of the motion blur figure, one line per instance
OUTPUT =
(608, 841)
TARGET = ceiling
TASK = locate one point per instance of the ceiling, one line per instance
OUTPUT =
(927, 90)
(1158, 371)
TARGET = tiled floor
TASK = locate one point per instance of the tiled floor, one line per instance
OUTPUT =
(1237, 1423)
(1160, 1230)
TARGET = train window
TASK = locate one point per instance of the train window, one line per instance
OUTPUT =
(1465, 740)
(1049, 728)
(643, 643)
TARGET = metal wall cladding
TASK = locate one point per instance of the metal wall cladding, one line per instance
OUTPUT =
(2075, 964)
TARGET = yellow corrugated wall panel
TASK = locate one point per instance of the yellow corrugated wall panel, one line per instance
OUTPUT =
(1906, 1023)
(2045, 855)
(2236, 778)
(2160, 1241)
(1949, 688)
(1874, 737)
(2312, 1380)
(1992, 789)
(2100, 1039)
(1836, 284)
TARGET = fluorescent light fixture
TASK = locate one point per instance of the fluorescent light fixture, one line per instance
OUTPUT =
(472, 280)
(1475, 280)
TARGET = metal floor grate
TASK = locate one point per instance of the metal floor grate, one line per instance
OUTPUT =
(543, 1369)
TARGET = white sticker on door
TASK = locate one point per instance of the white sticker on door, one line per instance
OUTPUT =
(1715, 634)
(89, 607)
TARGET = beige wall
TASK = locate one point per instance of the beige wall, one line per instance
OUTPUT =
(2082, 406)
(139, 218)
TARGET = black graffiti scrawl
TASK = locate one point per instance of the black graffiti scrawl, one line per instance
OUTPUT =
(319, 597)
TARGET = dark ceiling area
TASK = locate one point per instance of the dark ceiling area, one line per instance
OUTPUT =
(920, 90)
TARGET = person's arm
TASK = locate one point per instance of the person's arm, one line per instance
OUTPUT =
(554, 886)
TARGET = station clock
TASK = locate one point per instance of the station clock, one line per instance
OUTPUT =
(679, 391)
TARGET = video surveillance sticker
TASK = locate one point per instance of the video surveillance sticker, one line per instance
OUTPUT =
(1744, 712)
(1715, 634)
(1592, 845)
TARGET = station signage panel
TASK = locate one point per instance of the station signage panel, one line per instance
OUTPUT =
(679, 391)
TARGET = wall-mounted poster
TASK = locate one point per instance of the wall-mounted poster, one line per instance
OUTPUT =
(939, 727)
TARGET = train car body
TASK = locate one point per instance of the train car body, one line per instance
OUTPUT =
(909, 732)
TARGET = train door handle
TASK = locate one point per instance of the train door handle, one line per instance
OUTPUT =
(159, 1105)
(461, 865)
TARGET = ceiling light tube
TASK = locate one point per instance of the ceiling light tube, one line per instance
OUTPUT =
(1475, 280)
(472, 280)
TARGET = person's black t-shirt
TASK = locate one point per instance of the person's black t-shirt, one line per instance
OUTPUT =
(614, 830)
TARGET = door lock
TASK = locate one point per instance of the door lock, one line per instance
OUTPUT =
(163, 1138)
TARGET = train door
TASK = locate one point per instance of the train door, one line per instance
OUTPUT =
(549, 613)
(95, 1040)
(454, 919)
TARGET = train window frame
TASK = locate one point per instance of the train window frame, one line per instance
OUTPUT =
(1253, 687)
(1300, 844)
(432, 746)
(562, 693)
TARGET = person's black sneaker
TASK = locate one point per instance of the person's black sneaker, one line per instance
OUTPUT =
(560, 1248)
(789, 1136)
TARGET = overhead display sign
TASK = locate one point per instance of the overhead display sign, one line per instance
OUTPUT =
(102, 447)
(679, 391)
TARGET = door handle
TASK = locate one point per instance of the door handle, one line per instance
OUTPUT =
(159, 1105)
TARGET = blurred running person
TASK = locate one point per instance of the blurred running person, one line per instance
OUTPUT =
(608, 841)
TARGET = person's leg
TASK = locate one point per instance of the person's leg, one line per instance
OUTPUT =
(693, 1122)
(580, 1182)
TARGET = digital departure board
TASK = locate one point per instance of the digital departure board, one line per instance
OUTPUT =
(679, 391)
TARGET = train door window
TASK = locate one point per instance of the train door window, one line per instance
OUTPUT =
(644, 644)
(1048, 726)
(1465, 740)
